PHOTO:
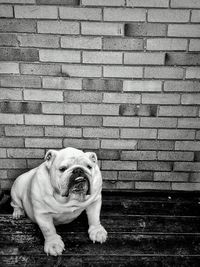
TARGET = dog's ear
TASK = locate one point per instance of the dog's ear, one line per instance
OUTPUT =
(50, 156)
(92, 156)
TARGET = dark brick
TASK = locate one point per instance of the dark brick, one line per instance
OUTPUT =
(108, 154)
(135, 176)
(122, 44)
(20, 81)
(128, 110)
(19, 25)
(59, 2)
(197, 156)
(8, 40)
(188, 59)
(40, 69)
(144, 29)
(13, 174)
(20, 107)
(102, 85)
(1, 131)
(147, 110)
(16, 54)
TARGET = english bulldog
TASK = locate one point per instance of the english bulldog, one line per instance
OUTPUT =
(66, 183)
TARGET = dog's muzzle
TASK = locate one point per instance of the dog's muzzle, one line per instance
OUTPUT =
(78, 182)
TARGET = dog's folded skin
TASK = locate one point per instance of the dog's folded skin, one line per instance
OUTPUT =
(57, 191)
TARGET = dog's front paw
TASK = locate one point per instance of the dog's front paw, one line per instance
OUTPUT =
(54, 246)
(18, 213)
(97, 233)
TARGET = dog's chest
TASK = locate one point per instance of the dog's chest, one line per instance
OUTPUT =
(66, 217)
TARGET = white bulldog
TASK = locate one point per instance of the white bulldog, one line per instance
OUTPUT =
(57, 191)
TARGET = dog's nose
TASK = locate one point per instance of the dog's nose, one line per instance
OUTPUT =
(78, 171)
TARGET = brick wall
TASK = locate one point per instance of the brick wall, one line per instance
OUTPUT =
(119, 77)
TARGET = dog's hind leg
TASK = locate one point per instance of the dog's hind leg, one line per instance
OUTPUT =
(17, 205)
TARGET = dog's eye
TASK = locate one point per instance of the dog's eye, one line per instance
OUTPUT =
(62, 169)
(89, 167)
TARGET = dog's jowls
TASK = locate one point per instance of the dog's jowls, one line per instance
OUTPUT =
(56, 192)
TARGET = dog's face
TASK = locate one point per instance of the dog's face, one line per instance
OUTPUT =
(71, 172)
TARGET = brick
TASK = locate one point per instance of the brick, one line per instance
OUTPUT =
(121, 14)
(155, 145)
(194, 177)
(190, 99)
(10, 94)
(83, 120)
(142, 86)
(100, 109)
(34, 163)
(36, 12)
(144, 58)
(122, 72)
(43, 95)
(6, 67)
(168, 15)
(116, 43)
(182, 59)
(12, 164)
(198, 135)
(6, 11)
(102, 85)
(20, 107)
(3, 175)
(195, 16)
(62, 132)
(2, 131)
(103, 3)
(83, 97)
(154, 166)
(166, 44)
(147, 110)
(40, 69)
(8, 39)
(171, 99)
(144, 29)
(23, 131)
(16, 54)
(153, 185)
(192, 123)
(81, 70)
(135, 176)
(17, 1)
(43, 119)
(137, 110)
(119, 165)
(185, 3)
(108, 154)
(61, 108)
(177, 111)
(128, 110)
(58, 27)
(81, 42)
(127, 185)
(11, 119)
(82, 144)
(102, 57)
(176, 134)
(118, 144)
(186, 186)
(187, 145)
(109, 175)
(59, 2)
(194, 45)
(175, 156)
(19, 25)
(100, 133)
(192, 73)
(11, 142)
(181, 86)
(25, 153)
(171, 176)
(43, 142)
(120, 122)
(38, 40)
(148, 3)
(187, 166)
(20, 81)
(138, 155)
(120, 98)
(163, 73)
(138, 133)
(158, 122)
(62, 83)
(100, 28)
(183, 30)
(74, 13)
(59, 56)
